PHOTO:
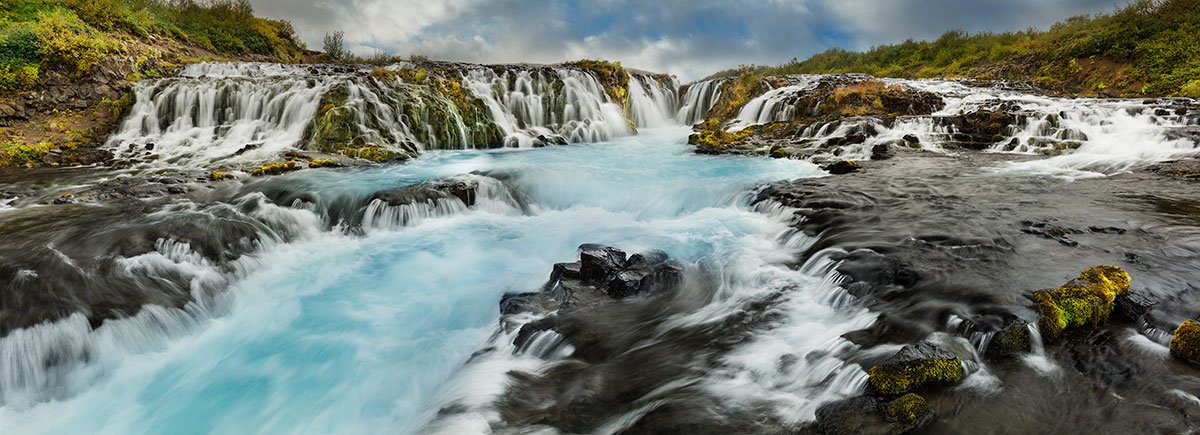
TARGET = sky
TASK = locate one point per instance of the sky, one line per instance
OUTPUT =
(687, 38)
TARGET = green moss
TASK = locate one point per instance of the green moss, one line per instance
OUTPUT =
(275, 169)
(1186, 342)
(217, 176)
(323, 163)
(1086, 300)
(907, 411)
(898, 380)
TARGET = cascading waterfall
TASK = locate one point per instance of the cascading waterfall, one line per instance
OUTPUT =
(1085, 134)
(230, 113)
(194, 122)
(696, 102)
(652, 103)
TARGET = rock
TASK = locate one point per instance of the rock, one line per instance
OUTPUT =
(1133, 305)
(842, 167)
(598, 263)
(462, 188)
(1009, 342)
(176, 190)
(1086, 300)
(1185, 345)
(912, 367)
(650, 272)
(912, 139)
(881, 152)
(66, 198)
(853, 416)
(909, 413)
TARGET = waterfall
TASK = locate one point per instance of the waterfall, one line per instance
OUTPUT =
(245, 113)
(698, 99)
(652, 103)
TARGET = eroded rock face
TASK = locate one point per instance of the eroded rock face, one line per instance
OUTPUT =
(462, 188)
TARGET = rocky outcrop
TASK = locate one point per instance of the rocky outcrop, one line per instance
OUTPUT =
(602, 274)
(1185, 344)
(834, 100)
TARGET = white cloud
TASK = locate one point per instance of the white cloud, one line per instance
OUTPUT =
(688, 38)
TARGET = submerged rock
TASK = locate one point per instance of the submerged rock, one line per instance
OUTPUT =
(1086, 300)
(1185, 344)
(914, 366)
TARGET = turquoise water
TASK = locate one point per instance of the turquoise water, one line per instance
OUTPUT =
(364, 334)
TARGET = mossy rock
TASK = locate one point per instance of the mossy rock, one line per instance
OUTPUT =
(914, 366)
(275, 169)
(1185, 344)
(217, 176)
(908, 413)
(1009, 342)
(842, 167)
(323, 163)
(1084, 301)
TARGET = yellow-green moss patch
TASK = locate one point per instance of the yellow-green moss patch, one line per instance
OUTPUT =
(908, 411)
(896, 380)
(323, 163)
(1186, 342)
(275, 169)
(1087, 300)
(217, 176)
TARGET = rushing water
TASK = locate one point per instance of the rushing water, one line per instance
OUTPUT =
(335, 332)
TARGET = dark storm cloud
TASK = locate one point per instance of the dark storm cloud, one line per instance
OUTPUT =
(687, 38)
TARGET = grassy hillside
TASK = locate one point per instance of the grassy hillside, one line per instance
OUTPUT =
(66, 66)
(35, 34)
(1149, 47)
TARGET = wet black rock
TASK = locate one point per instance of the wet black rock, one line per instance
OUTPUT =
(881, 152)
(912, 367)
(602, 273)
(462, 188)
(1133, 304)
(842, 167)
(856, 415)
(1009, 342)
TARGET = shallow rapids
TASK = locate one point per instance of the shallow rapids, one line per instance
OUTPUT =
(337, 332)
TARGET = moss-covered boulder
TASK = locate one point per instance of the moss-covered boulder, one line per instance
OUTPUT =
(914, 366)
(908, 413)
(1185, 344)
(1009, 342)
(1084, 301)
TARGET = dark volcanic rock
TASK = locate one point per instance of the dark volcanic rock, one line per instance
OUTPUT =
(913, 366)
(842, 167)
(1009, 342)
(462, 188)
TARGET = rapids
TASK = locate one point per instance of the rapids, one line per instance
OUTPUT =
(333, 332)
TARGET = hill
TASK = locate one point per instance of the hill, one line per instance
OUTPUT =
(66, 66)
(1147, 48)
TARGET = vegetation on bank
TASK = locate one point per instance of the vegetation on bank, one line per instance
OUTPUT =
(1149, 47)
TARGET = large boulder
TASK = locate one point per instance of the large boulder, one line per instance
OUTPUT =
(912, 367)
(1086, 300)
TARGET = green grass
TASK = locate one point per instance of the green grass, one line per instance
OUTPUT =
(78, 33)
(1155, 43)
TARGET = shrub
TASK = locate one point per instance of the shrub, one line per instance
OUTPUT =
(64, 37)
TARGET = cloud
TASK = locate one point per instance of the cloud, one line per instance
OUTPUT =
(690, 39)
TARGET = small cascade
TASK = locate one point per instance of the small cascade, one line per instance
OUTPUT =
(774, 106)
(531, 105)
(653, 101)
(193, 122)
(696, 102)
